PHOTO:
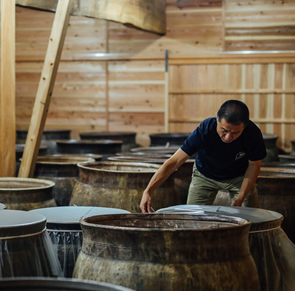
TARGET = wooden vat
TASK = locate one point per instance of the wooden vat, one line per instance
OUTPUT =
(276, 189)
(264, 240)
(26, 193)
(167, 252)
(104, 147)
(63, 171)
(170, 139)
(25, 248)
(19, 150)
(272, 151)
(182, 177)
(128, 138)
(63, 227)
(49, 138)
(120, 185)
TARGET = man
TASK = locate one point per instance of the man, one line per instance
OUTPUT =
(230, 149)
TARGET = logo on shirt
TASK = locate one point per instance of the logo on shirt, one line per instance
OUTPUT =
(240, 155)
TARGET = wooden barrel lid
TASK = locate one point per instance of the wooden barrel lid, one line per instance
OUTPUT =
(261, 219)
(68, 217)
(14, 223)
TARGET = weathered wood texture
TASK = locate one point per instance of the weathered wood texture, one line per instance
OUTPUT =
(145, 14)
(259, 25)
(7, 90)
(112, 77)
(197, 91)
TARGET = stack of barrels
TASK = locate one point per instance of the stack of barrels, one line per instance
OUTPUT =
(79, 219)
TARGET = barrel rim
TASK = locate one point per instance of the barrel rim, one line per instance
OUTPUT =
(75, 160)
(153, 148)
(71, 284)
(87, 166)
(48, 183)
(240, 222)
(88, 141)
(275, 170)
(143, 159)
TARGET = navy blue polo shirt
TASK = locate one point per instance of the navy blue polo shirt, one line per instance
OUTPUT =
(219, 160)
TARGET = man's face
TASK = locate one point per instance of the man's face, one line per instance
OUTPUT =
(228, 132)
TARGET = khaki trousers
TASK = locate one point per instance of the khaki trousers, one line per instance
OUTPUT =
(203, 190)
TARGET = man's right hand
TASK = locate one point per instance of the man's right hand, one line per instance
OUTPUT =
(145, 204)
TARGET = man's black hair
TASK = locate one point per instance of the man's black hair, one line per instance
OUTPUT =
(234, 112)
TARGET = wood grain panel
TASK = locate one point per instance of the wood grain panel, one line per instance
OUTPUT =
(259, 25)
(265, 88)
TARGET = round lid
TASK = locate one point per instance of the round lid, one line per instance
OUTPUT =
(261, 219)
(18, 223)
(68, 217)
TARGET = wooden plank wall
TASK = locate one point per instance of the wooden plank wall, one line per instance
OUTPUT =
(259, 25)
(112, 77)
(197, 91)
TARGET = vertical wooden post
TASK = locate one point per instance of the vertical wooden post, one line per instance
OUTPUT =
(45, 88)
(7, 98)
(166, 112)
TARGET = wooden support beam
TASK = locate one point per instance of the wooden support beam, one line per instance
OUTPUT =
(45, 88)
(7, 98)
(166, 112)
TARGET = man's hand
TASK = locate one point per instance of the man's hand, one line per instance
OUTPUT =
(145, 204)
(237, 202)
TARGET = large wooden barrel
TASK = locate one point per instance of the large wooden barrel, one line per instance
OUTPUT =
(272, 151)
(168, 252)
(49, 138)
(26, 193)
(60, 284)
(268, 242)
(25, 248)
(19, 150)
(120, 185)
(128, 138)
(63, 171)
(276, 189)
(182, 177)
(63, 227)
(101, 147)
(171, 139)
